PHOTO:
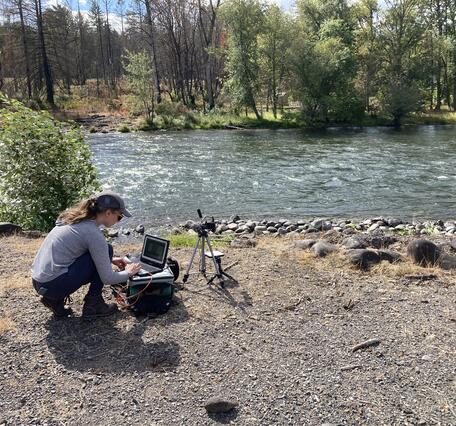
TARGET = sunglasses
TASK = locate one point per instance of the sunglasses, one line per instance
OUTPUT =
(119, 217)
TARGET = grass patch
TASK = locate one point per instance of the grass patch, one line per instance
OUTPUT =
(188, 240)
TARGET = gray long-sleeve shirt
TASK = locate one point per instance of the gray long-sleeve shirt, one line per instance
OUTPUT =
(65, 243)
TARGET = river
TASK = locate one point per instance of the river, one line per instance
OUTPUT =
(165, 176)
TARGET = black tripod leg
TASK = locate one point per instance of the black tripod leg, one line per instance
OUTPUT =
(187, 272)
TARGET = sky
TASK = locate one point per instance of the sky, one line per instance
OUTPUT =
(114, 18)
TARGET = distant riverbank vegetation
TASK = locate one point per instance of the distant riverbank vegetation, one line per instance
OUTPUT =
(233, 63)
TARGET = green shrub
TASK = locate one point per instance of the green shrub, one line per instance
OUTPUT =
(44, 167)
(123, 129)
(170, 108)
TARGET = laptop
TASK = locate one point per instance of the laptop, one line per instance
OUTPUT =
(153, 255)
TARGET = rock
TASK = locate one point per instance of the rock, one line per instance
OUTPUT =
(393, 222)
(7, 228)
(282, 231)
(389, 255)
(304, 244)
(227, 232)
(323, 248)
(321, 224)
(192, 232)
(270, 223)
(176, 231)
(126, 232)
(233, 226)
(218, 405)
(189, 224)
(447, 261)
(140, 229)
(243, 243)
(234, 218)
(271, 229)
(381, 241)
(423, 252)
(310, 230)
(261, 228)
(363, 258)
(351, 243)
(291, 228)
(250, 225)
(374, 226)
(113, 233)
(281, 222)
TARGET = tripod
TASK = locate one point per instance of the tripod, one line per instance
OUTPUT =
(203, 239)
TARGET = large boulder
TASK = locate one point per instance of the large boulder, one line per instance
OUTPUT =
(323, 248)
(423, 252)
(7, 228)
(363, 258)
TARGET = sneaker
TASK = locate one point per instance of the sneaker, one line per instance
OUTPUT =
(57, 306)
(95, 306)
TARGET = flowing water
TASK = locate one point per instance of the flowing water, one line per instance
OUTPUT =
(166, 176)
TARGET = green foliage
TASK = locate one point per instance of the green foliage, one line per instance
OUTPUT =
(398, 98)
(44, 167)
(244, 18)
(140, 80)
(124, 129)
(325, 62)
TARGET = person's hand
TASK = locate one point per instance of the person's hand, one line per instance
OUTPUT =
(119, 262)
(133, 268)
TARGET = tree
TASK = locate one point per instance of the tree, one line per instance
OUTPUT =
(44, 167)
(140, 80)
(325, 62)
(274, 50)
(401, 31)
(244, 19)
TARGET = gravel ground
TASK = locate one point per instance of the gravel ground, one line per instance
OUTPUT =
(279, 342)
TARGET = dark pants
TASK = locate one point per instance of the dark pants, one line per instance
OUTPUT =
(82, 271)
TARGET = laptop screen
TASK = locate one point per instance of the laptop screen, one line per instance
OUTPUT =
(154, 251)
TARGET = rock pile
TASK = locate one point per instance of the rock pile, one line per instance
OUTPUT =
(379, 225)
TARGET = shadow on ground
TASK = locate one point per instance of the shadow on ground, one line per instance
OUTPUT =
(99, 345)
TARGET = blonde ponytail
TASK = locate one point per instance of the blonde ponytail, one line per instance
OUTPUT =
(84, 210)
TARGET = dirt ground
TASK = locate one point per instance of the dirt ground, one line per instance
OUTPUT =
(279, 342)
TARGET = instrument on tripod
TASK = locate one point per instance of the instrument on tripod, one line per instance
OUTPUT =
(203, 230)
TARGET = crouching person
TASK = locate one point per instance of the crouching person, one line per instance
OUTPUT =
(76, 253)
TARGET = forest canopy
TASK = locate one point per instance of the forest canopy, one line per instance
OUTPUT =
(333, 60)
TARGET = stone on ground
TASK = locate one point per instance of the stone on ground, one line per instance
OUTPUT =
(363, 258)
(216, 405)
(423, 252)
(323, 248)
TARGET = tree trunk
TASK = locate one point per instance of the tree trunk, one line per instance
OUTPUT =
(153, 52)
(26, 53)
(44, 59)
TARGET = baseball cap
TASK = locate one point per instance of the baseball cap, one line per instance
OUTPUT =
(111, 200)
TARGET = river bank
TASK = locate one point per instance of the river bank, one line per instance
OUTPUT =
(280, 343)
(105, 122)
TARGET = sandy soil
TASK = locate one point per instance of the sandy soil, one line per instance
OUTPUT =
(279, 342)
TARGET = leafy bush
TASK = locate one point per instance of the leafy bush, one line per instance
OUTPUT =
(44, 167)
(170, 108)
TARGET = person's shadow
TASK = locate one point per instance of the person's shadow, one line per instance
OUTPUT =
(100, 346)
